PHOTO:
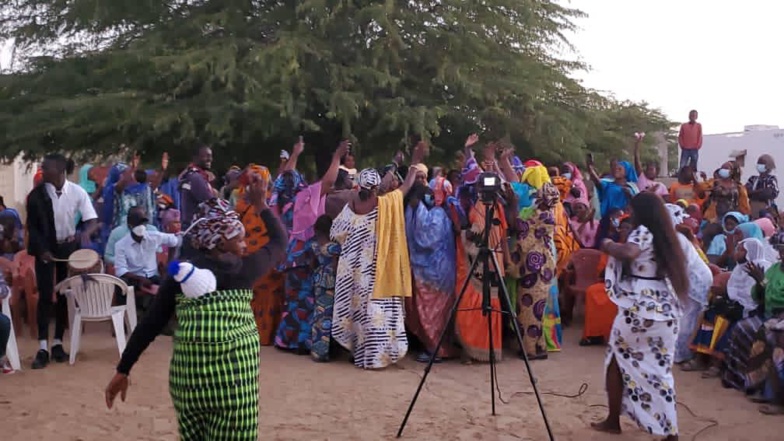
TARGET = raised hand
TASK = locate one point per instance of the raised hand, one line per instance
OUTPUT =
(299, 147)
(471, 140)
(257, 191)
(165, 161)
(343, 148)
(755, 271)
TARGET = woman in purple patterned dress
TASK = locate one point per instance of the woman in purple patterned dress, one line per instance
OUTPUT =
(534, 258)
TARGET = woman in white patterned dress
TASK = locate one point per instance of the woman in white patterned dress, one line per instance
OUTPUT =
(645, 277)
(373, 329)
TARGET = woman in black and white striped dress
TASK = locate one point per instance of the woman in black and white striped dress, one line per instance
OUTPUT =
(373, 329)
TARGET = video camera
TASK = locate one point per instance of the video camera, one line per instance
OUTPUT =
(488, 187)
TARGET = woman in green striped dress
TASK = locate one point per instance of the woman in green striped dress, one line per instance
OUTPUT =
(214, 373)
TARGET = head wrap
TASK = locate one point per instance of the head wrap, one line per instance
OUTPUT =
(631, 173)
(285, 189)
(169, 217)
(536, 176)
(260, 170)
(739, 218)
(532, 163)
(575, 171)
(518, 167)
(471, 171)
(442, 189)
(214, 223)
(677, 214)
(421, 168)
(115, 173)
(757, 250)
(767, 226)
(84, 179)
(548, 195)
(369, 179)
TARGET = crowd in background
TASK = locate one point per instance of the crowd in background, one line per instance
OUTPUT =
(376, 257)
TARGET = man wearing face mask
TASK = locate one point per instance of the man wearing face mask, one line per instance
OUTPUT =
(136, 254)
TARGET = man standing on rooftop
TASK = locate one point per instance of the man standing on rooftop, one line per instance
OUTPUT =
(690, 140)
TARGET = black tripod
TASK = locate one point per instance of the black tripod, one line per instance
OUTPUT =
(485, 257)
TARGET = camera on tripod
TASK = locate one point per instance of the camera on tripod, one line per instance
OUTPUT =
(488, 187)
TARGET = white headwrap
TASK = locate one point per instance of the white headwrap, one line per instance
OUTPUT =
(741, 283)
(369, 179)
(677, 214)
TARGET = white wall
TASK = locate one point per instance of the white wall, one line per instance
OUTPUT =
(716, 150)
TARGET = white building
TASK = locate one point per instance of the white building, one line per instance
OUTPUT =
(745, 147)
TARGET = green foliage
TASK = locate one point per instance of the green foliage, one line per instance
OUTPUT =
(248, 76)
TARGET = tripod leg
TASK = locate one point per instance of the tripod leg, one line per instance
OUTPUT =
(441, 339)
(506, 303)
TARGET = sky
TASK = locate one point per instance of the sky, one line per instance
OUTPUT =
(718, 57)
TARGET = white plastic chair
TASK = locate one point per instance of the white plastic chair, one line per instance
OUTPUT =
(90, 298)
(11, 350)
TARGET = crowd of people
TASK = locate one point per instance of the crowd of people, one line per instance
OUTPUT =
(369, 262)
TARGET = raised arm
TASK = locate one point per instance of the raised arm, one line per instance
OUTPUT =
(637, 162)
(328, 181)
(299, 147)
(595, 178)
(506, 166)
(420, 151)
(270, 255)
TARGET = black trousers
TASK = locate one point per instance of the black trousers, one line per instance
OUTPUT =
(47, 275)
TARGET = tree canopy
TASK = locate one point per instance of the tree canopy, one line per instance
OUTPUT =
(249, 76)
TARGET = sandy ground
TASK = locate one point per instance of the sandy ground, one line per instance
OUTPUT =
(302, 400)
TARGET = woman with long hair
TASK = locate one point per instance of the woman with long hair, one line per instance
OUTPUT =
(214, 375)
(645, 277)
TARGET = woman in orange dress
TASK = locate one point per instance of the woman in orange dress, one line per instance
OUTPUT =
(267, 300)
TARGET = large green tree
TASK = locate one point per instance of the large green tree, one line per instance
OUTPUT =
(248, 76)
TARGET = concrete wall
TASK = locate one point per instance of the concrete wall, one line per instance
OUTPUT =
(756, 141)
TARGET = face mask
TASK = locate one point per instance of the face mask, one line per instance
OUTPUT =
(729, 232)
(724, 173)
(616, 223)
(567, 176)
(139, 230)
(762, 168)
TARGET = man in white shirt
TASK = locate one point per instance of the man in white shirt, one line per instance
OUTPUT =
(52, 210)
(122, 231)
(135, 258)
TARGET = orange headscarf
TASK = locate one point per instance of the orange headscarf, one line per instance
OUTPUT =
(256, 235)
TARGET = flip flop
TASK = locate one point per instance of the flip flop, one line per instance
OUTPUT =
(693, 366)
(712, 372)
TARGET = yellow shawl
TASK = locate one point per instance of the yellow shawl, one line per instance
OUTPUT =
(393, 267)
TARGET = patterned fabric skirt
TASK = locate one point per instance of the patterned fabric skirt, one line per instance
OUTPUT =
(766, 364)
(294, 330)
(214, 373)
(688, 328)
(427, 314)
(321, 323)
(713, 335)
(267, 304)
(738, 352)
(551, 323)
(643, 350)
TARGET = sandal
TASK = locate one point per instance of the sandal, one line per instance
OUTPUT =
(693, 366)
(712, 372)
(771, 409)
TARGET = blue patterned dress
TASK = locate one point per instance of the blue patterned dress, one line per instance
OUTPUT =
(324, 298)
